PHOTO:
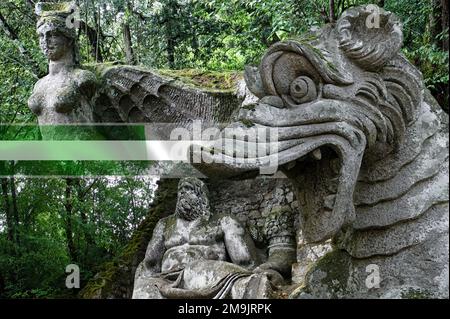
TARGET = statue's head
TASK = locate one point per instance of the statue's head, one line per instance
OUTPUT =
(192, 201)
(57, 34)
(341, 99)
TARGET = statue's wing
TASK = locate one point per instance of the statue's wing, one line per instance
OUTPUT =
(136, 95)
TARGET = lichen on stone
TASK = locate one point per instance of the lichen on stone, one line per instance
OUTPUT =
(247, 123)
(335, 266)
(217, 80)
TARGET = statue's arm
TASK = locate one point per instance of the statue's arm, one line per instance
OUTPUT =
(34, 102)
(155, 249)
(239, 244)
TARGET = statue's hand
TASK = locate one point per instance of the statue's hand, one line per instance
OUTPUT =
(161, 285)
(270, 265)
(268, 269)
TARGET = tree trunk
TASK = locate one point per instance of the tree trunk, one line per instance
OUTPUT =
(444, 23)
(332, 12)
(94, 38)
(15, 209)
(68, 205)
(98, 37)
(82, 192)
(129, 54)
(171, 53)
(433, 25)
(195, 45)
(171, 33)
(127, 40)
(7, 205)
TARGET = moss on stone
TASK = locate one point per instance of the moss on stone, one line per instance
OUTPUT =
(331, 66)
(247, 123)
(115, 279)
(250, 107)
(223, 80)
(335, 265)
(54, 8)
(213, 81)
(170, 222)
(98, 68)
(307, 42)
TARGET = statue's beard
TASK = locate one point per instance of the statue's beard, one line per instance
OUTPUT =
(190, 209)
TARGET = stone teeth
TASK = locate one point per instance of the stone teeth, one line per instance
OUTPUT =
(291, 165)
(329, 201)
(317, 154)
(302, 198)
(332, 185)
(335, 166)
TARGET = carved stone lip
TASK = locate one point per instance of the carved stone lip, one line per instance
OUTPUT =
(302, 137)
(288, 135)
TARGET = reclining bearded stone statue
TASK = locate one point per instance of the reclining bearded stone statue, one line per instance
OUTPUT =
(195, 254)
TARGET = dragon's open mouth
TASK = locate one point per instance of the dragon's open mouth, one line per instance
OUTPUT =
(321, 159)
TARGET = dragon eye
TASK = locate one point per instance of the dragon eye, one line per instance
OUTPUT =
(303, 89)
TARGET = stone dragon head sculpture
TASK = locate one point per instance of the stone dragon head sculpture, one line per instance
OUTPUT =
(358, 135)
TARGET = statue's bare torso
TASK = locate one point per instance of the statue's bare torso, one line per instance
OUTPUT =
(189, 241)
(178, 242)
(63, 97)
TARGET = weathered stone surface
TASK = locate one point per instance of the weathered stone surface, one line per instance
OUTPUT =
(409, 206)
(418, 272)
(138, 95)
(307, 255)
(366, 148)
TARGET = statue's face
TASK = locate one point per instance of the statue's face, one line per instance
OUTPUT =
(53, 43)
(190, 203)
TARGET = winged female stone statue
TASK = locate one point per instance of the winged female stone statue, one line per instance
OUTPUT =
(65, 95)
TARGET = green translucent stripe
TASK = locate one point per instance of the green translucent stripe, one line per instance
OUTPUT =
(94, 150)
(74, 150)
(72, 132)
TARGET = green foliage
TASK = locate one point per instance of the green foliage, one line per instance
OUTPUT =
(106, 212)
(35, 268)
(433, 63)
(229, 34)
(423, 43)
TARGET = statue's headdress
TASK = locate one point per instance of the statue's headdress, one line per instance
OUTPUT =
(58, 16)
